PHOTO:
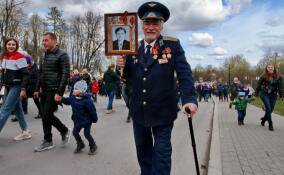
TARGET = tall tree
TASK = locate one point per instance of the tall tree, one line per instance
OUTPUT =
(54, 18)
(9, 18)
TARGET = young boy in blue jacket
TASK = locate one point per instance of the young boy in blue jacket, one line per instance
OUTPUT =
(84, 114)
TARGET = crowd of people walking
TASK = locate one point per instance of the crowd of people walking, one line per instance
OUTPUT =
(152, 86)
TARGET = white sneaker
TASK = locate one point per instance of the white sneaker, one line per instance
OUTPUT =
(23, 136)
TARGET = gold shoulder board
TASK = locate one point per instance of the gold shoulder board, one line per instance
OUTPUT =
(170, 38)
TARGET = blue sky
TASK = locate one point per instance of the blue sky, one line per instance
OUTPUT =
(209, 30)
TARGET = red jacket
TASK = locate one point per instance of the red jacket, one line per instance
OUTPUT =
(95, 87)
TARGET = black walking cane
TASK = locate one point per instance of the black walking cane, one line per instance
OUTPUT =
(193, 141)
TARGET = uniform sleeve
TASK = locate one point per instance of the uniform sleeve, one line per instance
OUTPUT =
(184, 75)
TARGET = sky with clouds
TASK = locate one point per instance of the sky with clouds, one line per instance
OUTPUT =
(209, 30)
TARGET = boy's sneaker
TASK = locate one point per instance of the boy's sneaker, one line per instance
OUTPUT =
(44, 146)
(23, 136)
(93, 150)
(65, 138)
(79, 148)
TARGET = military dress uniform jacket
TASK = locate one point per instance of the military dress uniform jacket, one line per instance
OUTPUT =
(153, 86)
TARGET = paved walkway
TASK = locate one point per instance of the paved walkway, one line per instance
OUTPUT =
(251, 148)
(116, 149)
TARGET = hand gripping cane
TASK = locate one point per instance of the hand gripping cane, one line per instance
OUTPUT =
(193, 141)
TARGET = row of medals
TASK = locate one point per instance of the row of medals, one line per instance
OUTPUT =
(164, 56)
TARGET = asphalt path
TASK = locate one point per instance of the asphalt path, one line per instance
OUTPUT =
(116, 149)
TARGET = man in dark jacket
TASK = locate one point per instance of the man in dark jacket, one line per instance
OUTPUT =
(153, 105)
(53, 77)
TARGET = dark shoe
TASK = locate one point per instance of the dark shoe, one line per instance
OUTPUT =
(239, 122)
(15, 119)
(271, 126)
(44, 146)
(80, 146)
(230, 105)
(38, 116)
(93, 150)
(65, 138)
(262, 121)
(242, 123)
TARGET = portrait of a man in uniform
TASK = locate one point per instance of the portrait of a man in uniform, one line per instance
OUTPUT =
(120, 38)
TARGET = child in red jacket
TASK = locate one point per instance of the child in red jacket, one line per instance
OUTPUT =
(94, 89)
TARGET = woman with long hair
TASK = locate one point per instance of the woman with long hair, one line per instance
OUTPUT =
(270, 83)
(15, 79)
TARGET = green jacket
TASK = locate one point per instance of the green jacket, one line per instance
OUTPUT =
(242, 104)
(110, 79)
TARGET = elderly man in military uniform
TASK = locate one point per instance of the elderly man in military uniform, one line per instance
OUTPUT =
(153, 90)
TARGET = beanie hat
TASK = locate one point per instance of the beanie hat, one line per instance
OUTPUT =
(241, 94)
(81, 86)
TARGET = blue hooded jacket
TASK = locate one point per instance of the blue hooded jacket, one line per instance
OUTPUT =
(83, 108)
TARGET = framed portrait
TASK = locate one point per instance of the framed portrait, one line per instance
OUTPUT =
(121, 34)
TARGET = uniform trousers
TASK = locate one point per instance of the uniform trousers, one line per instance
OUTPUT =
(154, 149)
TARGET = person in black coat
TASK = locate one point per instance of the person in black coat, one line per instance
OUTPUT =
(53, 78)
(270, 84)
(33, 70)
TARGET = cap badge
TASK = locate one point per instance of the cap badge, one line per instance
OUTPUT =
(152, 4)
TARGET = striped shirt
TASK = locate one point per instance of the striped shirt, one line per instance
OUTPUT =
(14, 67)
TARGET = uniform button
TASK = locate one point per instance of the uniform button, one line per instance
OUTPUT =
(145, 69)
(144, 90)
(144, 78)
(144, 102)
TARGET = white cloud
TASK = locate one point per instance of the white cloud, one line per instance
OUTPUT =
(219, 51)
(235, 6)
(220, 57)
(275, 21)
(201, 40)
(185, 14)
(197, 57)
(271, 46)
(248, 50)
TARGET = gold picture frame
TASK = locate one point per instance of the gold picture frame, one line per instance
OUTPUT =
(121, 34)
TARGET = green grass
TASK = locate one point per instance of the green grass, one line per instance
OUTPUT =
(278, 109)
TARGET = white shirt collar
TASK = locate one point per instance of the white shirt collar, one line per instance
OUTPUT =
(152, 44)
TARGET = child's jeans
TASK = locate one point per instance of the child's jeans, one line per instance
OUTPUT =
(241, 115)
(87, 134)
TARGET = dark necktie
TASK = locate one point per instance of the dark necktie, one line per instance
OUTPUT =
(148, 52)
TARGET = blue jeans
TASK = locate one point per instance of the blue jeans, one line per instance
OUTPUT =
(206, 97)
(13, 103)
(269, 101)
(241, 115)
(110, 99)
(154, 159)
